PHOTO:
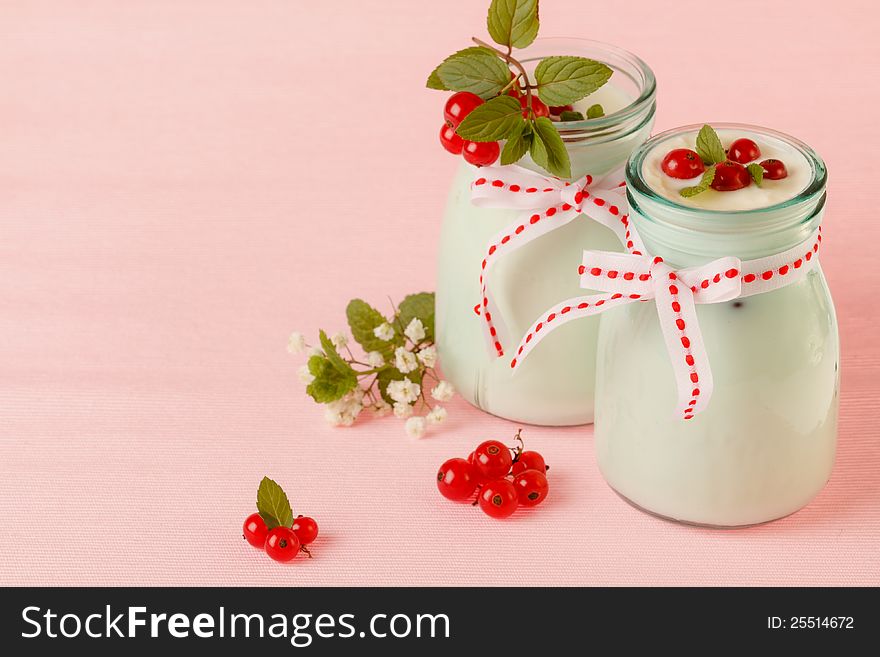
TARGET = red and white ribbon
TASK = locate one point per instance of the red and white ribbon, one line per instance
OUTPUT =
(547, 203)
(625, 278)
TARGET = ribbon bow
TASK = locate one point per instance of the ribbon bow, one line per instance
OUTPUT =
(548, 203)
(625, 278)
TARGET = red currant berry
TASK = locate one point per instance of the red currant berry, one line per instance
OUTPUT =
(450, 140)
(498, 498)
(730, 176)
(481, 153)
(492, 459)
(743, 151)
(538, 106)
(531, 487)
(529, 461)
(255, 530)
(556, 110)
(774, 169)
(459, 106)
(305, 528)
(682, 163)
(282, 544)
(456, 480)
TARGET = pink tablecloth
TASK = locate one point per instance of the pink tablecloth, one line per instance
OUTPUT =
(183, 183)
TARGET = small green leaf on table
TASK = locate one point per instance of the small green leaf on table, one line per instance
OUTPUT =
(273, 505)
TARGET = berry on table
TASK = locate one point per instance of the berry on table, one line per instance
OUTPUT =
(282, 544)
(451, 141)
(730, 176)
(254, 530)
(531, 487)
(743, 150)
(528, 461)
(538, 106)
(481, 153)
(459, 105)
(456, 480)
(556, 110)
(492, 459)
(305, 528)
(682, 163)
(774, 169)
(498, 498)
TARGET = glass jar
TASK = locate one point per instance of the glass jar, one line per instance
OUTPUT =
(547, 389)
(765, 445)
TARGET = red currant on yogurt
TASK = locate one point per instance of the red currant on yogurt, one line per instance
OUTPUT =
(450, 139)
(557, 110)
(456, 480)
(492, 459)
(682, 163)
(481, 153)
(254, 530)
(774, 169)
(528, 460)
(282, 544)
(531, 487)
(498, 498)
(539, 107)
(305, 528)
(459, 105)
(730, 176)
(743, 150)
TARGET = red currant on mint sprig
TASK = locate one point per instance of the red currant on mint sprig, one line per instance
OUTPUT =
(724, 170)
(274, 529)
(503, 478)
(478, 153)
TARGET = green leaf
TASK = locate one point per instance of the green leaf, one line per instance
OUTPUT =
(756, 171)
(362, 319)
(419, 306)
(513, 22)
(478, 70)
(548, 150)
(493, 120)
(434, 81)
(568, 115)
(329, 384)
(709, 146)
(333, 356)
(517, 145)
(273, 505)
(705, 182)
(595, 111)
(565, 80)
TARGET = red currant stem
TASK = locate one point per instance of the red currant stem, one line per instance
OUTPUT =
(519, 448)
(512, 62)
(303, 548)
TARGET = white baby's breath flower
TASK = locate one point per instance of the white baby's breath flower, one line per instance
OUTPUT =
(339, 340)
(305, 375)
(415, 427)
(443, 391)
(405, 391)
(314, 351)
(402, 410)
(415, 331)
(405, 360)
(375, 359)
(343, 412)
(384, 331)
(296, 343)
(427, 356)
(381, 408)
(437, 415)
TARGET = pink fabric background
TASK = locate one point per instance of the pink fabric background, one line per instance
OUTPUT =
(184, 183)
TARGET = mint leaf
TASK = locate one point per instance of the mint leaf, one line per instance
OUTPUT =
(478, 70)
(565, 80)
(419, 306)
(333, 356)
(548, 150)
(513, 22)
(595, 111)
(702, 186)
(329, 384)
(517, 145)
(362, 319)
(273, 505)
(709, 146)
(568, 115)
(493, 120)
(434, 81)
(756, 171)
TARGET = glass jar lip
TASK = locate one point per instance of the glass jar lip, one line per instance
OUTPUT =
(635, 181)
(647, 85)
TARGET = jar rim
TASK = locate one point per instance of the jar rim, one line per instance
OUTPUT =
(636, 183)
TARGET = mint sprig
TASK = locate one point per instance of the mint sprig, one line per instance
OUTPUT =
(273, 505)
(756, 171)
(513, 23)
(477, 70)
(702, 186)
(709, 146)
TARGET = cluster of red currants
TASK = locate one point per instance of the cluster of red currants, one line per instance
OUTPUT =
(281, 543)
(503, 478)
(730, 175)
